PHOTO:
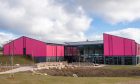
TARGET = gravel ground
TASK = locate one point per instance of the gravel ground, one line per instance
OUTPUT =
(20, 69)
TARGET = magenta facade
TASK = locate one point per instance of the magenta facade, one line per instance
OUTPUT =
(118, 46)
(60, 51)
(112, 50)
(122, 51)
(54, 50)
(34, 48)
(14, 47)
(6, 49)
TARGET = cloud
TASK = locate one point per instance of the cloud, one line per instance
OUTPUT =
(113, 11)
(43, 19)
(61, 20)
(131, 33)
(95, 37)
(5, 37)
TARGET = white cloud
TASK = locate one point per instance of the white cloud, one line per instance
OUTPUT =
(52, 20)
(114, 11)
(95, 37)
(5, 37)
(43, 19)
(131, 33)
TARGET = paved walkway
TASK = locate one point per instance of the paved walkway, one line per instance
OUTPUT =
(20, 69)
(30, 68)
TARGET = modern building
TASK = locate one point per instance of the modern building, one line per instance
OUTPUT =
(118, 50)
(39, 51)
(111, 50)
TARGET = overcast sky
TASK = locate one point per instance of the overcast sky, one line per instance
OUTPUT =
(69, 20)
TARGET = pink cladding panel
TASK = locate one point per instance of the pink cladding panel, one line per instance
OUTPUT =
(6, 49)
(14, 47)
(60, 51)
(54, 50)
(118, 46)
(35, 48)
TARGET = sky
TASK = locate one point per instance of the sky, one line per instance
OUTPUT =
(69, 20)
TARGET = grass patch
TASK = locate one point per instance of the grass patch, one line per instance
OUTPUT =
(120, 67)
(4, 69)
(28, 78)
(6, 60)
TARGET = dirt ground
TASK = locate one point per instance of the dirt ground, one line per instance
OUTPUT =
(92, 72)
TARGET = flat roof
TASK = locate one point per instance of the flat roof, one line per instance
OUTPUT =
(55, 43)
(85, 43)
